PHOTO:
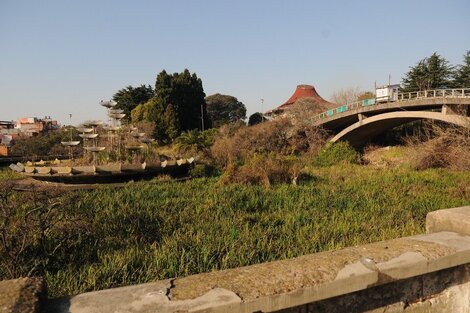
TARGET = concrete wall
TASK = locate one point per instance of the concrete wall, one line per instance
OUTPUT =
(424, 273)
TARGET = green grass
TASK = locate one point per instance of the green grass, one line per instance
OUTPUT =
(7, 174)
(148, 231)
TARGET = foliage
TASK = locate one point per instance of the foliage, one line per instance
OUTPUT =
(350, 95)
(39, 233)
(267, 153)
(337, 153)
(235, 146)
(203, 170)
(365, 95)
(44, 144)
(195, 141)
(176, 106)
(445, 147)
(256, 118)
(265, 170)
(145, 232)
(6, 174)
(130, 97)
(433, 72)
(462, 74)
(224, 109)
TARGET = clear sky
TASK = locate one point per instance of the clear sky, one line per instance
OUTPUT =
(61, 57)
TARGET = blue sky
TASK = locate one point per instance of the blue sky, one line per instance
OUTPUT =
(61, 57)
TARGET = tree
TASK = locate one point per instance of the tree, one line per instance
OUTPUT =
(345, 96)
(255, 119)
(462, 74)
(176, 107)
(129, 98)
(365, 95)
(194, 141)
(430, 73)
(224, 109)
(350, 95)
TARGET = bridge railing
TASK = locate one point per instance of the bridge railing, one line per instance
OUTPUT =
(438, 93)
(404, 96)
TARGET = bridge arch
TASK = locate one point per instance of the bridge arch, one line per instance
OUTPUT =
(361, 132)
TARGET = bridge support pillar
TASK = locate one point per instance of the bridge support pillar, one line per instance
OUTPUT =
(447, 109)
(361, 117)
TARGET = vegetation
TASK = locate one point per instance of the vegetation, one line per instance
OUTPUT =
(176, 107)
(265, 192)
(462, 73)
(447, 147)
(194, 141)
(435, 72)
(350, 95)
(43, 144)
(130, 97)
(337, 153)
(256, 118)
(224, 109)
(143, 232)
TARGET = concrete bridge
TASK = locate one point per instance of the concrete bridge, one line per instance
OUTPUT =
(361, 121)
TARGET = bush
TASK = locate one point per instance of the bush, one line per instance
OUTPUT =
(339, 152)
(235, 146)
(203, 170)
(265, 170)
(446, 147)
(194, 141)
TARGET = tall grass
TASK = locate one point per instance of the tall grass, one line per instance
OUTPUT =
(145, 232)
(7, 174)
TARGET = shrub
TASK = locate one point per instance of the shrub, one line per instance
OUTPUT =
(446, 147)
(194, 141)
(339, 152)
(235, 146)
(265, 170)
(203, 170)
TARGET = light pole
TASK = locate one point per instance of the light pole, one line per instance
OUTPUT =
(262, 113)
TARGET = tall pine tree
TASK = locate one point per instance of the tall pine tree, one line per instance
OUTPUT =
(462, 74)
(433, 72)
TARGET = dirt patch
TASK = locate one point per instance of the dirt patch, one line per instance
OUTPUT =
(22, 295)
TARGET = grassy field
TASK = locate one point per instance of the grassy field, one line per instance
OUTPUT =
(155, 230)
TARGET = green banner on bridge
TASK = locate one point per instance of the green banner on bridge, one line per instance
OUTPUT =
(367, 102)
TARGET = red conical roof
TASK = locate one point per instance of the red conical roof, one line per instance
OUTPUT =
(310, 96)
(302, 91)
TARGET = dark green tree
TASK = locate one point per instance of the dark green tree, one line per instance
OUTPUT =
(177, 106)
(128, 98)
(255, 118)
(433, 72)
(224, 109)
(462, 74)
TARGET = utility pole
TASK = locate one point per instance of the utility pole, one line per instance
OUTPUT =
(262, 113)
(202, 116)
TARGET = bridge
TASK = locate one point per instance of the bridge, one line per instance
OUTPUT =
(361, 121)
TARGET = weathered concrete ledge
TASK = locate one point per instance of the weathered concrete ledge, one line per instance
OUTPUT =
(456, 220)
(22, 295)
(287, 284)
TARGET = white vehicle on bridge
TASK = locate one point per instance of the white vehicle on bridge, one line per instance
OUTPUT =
(387, 93)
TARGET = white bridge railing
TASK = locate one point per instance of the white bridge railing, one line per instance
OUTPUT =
(402, 97)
